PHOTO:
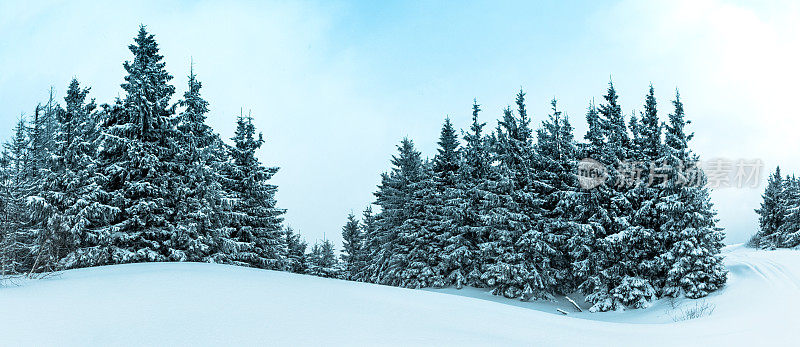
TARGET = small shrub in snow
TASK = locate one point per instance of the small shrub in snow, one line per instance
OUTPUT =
(700, 309)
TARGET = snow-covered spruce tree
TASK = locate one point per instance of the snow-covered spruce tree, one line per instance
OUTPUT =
(644, 179)
(519, 250)
(772, 212)
(788, 233)
(295, 252)
(136, 153)
(590, 210)
(8, 242)
(199, 220)
(322, 260)
(557, 165)
(466, 207)
(388, 252)
(43, 215)
(93, 212)
(417, 249)
(252, 217)
(50, 124)
(689, 233)
(443, 207)
(608, 209)
(352, 248)
(15, 187)
(650, 143)
(371, 244)
(71, 186)
(641, 241)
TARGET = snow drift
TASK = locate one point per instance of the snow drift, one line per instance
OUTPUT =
(206, 304)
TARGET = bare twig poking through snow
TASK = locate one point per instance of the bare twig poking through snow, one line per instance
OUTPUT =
(700, 309)
(562, 311)
(574, 304)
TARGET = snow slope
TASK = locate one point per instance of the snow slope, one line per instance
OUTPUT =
(204, 304)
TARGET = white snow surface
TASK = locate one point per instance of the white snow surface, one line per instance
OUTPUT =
(207, 304)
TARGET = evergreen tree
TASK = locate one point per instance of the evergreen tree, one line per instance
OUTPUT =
(417, 249)
(135, 151)
(148, 91)
(690, 235)
(640, 242)
(443, 207)
(322, 260)
(788, 233)
(371, 246)
(519, 250)
(352, 250)
(389, 261)
(612, 122)
(466, 206)
(607, 208)
(591, 210)
(254, 220)
(44, 217)
(16, 244)
(296, 252)
(650, 128)
(772, 212)
(137, 160)
(199, 220)
(71, 186)
(558, 155)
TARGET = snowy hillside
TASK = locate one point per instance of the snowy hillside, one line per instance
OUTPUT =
(191, 304)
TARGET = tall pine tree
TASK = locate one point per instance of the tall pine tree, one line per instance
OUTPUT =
(254, 221)
(352, 248)
(691, 238)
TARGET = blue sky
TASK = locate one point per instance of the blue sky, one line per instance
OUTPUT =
(334, 86)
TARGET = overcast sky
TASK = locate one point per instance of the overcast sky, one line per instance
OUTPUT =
(334, 86)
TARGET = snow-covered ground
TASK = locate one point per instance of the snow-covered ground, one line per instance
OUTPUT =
(204, 304)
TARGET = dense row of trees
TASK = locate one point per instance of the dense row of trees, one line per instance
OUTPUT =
(141, 179)
(506, 210)
(779, 215)
(145, 179)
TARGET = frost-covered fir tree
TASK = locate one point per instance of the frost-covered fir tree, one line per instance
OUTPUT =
(137, 160)
(772, 212)
(444, 205)
(200, 231)
(606, 208)
(416, 248)
(519, 252)
(322, 260)
(295, 252)
(371, 245)
(691, 238)
(650, 128)
(16, 244)
(640, 242)
(72, 187)
(590, 209)
(788, 233)
(556, 170)
(461, 254)
(389, 255)
(352, 248)
(253, 220)
(43, 215)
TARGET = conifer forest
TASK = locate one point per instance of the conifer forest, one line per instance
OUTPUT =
(154, 217)
(145, 179)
